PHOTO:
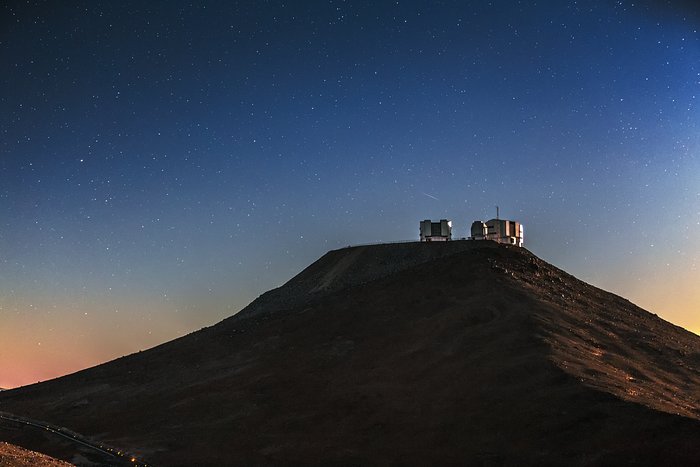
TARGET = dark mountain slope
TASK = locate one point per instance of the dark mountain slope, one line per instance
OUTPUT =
(610, 343)
(348, 267)
(469, 353)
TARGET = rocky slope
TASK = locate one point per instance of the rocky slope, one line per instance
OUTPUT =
(467, 352)
(15, 456)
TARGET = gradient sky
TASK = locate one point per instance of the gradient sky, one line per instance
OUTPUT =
(164, 163)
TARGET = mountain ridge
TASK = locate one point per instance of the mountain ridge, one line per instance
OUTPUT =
(355, 265)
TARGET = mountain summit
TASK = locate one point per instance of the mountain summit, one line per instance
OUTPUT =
(463, 352)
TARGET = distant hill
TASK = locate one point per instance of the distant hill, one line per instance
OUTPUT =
(413, 354)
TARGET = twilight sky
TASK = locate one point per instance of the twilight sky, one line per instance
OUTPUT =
(164, 163)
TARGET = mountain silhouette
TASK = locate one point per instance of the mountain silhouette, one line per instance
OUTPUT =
(463, 352)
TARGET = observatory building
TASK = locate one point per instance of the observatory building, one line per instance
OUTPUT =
(498, 230)
(435, 231)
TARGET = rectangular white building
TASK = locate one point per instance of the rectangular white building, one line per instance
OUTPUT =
(498, 230)
(436, 231)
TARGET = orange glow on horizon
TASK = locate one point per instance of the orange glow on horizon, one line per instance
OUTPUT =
(48, 342)
(46, 339)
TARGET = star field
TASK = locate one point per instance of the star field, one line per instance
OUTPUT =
(162, 164)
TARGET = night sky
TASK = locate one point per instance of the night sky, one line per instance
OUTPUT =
(164, 163)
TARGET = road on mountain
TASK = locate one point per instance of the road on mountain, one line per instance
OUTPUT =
(120, 457)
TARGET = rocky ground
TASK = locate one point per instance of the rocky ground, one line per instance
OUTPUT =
(15, 456)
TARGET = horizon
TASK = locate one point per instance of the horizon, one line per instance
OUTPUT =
(163, 165)
(4, 388)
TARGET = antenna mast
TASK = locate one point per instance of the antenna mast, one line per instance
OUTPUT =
(497, 213)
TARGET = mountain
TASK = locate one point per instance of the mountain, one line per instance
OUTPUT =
(456, 353)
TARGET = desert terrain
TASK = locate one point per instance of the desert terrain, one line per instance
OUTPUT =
(15, 456)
